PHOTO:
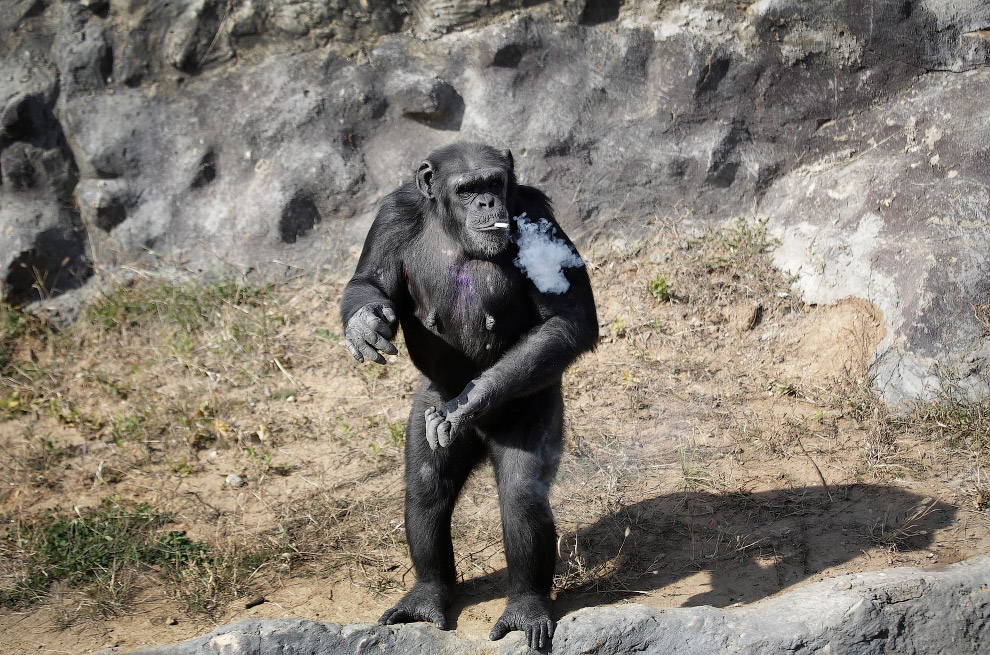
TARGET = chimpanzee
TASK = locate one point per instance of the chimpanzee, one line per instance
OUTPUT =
(495, 303)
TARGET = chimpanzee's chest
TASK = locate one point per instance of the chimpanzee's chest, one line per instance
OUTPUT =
(479, 307)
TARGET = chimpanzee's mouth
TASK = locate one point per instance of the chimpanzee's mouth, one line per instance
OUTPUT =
(499, 225)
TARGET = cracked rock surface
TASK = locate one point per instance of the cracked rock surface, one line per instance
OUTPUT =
(906, 610)
(255, 138)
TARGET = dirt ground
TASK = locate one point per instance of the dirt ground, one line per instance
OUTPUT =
(722, 447)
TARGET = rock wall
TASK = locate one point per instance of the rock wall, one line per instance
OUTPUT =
(908, 611)
(257, 136)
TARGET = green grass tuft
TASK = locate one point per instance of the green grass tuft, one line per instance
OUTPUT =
(88, 548)
(191, 304)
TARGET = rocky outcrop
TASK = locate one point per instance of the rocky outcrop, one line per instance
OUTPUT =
(257, 136)
(945, 610)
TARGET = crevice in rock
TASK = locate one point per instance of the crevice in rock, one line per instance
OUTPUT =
(714, 74)
(207, 171)
(38, 162)
(55, 263)
(206, 33)
(449, 117)
(28, 119)
(299, 216)
(105, 64)
(110, 217)
(508, 56)
(35, 9)
(597, 12)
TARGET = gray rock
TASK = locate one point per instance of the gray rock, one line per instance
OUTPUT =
(941, 610)
(81, 52)
(904, 224)
(258, 136)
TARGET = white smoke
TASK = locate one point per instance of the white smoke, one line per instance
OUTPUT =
(542, 256)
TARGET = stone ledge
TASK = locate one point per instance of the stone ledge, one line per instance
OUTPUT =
(905, 610)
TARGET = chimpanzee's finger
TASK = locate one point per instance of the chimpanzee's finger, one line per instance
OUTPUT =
(354, 351)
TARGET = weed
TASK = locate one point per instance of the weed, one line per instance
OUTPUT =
(259, 458)
(396, 433)
(44, 455)
(14, 325)
(660, 288)
(958, 423)
(327, 335)
(785, 388)
(618, 327)
(126, 428)
(694, 475)
(893, 533)
(982, 314)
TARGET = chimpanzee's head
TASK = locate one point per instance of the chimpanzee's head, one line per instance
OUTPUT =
(469, 186)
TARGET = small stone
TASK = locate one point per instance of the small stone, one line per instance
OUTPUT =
(171, 620)
(254, 602)
(234, 480)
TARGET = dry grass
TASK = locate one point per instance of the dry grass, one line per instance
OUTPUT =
(704, 462)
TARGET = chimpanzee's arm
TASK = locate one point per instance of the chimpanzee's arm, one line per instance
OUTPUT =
(569, 328)
(367, 308)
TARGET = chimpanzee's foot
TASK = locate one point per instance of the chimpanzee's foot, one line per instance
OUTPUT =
(531, 614)
(425, 602)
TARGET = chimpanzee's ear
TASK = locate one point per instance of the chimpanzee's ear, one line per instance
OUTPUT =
(508, 157)
(424, 179)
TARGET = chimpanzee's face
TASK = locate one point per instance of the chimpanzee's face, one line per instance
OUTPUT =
(479, 198)
(471, 186)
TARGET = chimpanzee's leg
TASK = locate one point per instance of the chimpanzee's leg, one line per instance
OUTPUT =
(525, 455)
(433, 480)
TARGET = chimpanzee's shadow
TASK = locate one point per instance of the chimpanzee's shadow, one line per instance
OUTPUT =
(751, 545)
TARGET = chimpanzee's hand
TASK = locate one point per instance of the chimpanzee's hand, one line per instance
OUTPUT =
(369, 331)
(441, 430)
(445, 424)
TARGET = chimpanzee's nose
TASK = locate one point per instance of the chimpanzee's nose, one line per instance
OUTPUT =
(486, 201)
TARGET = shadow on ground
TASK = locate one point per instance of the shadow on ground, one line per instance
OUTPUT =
(750, 545)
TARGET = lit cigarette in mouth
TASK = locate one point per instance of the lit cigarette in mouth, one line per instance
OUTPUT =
(503, 225)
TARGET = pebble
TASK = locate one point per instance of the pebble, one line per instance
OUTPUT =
(234, 480)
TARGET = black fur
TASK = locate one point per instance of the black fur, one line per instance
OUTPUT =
(492, 349)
